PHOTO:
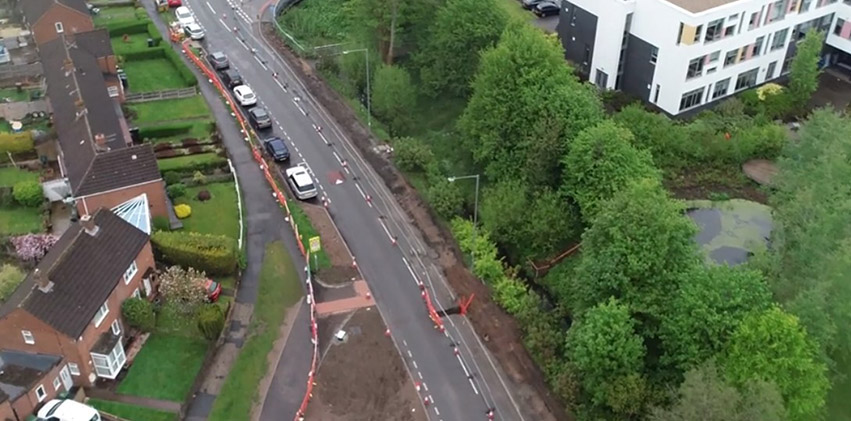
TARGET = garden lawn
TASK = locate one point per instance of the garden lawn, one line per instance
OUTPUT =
(113, 13)
(131, 412)
(170, 110)
(14, 95)
(186, 163)
(15, 220)
(152, 75)
(219, 215)
(280, 288)
(135, 42)
(165, 368)
(9, 176)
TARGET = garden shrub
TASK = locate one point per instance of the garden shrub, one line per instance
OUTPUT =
(161, 223)
(211, 321)
(118, 28)
(445, 198)
(164, 130)
(16, 143)
(141, 14)
(28, 193)
(10, 278)
(31, 248)
(204, 195)
(412, 154)
(183, 211)
(139, 313)
(145, 54)
(176, 190)
(214, 254)
(171, 177)
(154, 33)
(199, 178)
(189, 164)
(168, 153)
(189, 142)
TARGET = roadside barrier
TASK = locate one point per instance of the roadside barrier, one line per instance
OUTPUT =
(282, 199)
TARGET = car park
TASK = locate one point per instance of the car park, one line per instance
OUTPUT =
(218, 60)
(259, 118)
(244, 95)
(231, 78)
(301, 183)
(277, 149)
(184, 16)
(194, 31)
(546, 8)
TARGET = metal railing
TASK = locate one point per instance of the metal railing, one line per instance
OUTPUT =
(159, 95)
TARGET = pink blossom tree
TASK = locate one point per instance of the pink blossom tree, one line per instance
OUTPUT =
(31, 248)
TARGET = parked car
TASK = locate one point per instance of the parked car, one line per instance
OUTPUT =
(530, 4)
(301, 183)
(213, 290)
(545, 9)
(184, 16)
(219, 60)
(67, 410)
(231, 78)
(277, 149)
(259, 118)
(175, 3)
(244, 95)
(194, 31)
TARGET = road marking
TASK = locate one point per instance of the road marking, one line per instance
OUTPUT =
(225, 25)
(210, 6)
(244, 45)
(419, 373)
(404, 342)
(415, 364)
(409, 354)
(466, 373)
(361, 191)
(281, 85)
(473, 385)
(425, 387)
(340, 160)
(408, 265)
(261, 63)
(436, 411)
(386, 231)
(295, 102)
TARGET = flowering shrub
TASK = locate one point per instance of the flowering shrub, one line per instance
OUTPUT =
(183, 211)
(767, 90)
(183, 286)
(32, 247)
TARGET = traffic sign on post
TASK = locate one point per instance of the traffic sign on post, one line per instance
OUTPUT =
(315, 244)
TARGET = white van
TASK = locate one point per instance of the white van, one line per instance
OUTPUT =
(67, 410)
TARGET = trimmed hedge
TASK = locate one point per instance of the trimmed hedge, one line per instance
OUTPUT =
(184, 70)
(191, 163)
(118, 28)
(165, 130)
(214, 254)
(145, 54)
(16, 142)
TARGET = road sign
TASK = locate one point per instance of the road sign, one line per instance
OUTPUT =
(315, 245)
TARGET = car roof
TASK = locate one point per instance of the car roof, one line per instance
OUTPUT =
(66, 409)
(193, 26)
(232, 73)
(243, 89)
(258, 112)
(182, 10)
(276, 139)
(299, 175)
(217, 54)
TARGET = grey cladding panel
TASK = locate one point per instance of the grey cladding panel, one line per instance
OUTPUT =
(638, 68)
(577, 29)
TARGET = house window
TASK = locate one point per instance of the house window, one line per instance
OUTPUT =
(691, 99)
(56, 383)
(713, 30)
(128, 274)
(721, 88)
(757, 46)
(730, 58)
(74, 369)
(779, 39)
(730, 30)
(746, 80)
(714, 56)
(697, 32)
(805, 5)
(101, 314)
(837, 30)
(59, 28)
(29, 339)
(654, 55)
(136, 293)
(112, 90)
(109, 365)
(656, 95)
(754, 20)
(40, 393)
(116, 327)
(695, 67)
(601, 79)
(769, 74)
(787, 65)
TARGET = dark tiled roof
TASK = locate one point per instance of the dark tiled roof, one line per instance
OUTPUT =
(95, 42)
(120, 168)
(20, 371)
(84, 270)
(33, 9)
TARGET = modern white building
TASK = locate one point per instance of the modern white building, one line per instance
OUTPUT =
(683, 54)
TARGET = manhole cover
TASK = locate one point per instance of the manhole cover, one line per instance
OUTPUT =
(335, 177)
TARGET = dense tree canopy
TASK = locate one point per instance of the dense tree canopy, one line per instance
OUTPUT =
(393, 97)
(526, 105)
(804, 71)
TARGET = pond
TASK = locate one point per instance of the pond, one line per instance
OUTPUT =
(731, 230)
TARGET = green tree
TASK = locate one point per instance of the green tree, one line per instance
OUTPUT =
(804, 71)
(653, 132)
(705, 396)
(771, 346)
(636, 249)
(600, 162)
(379, 22)
(603, 346)
(708, 307)
(525, 105)
(461, 30)
(393, 97)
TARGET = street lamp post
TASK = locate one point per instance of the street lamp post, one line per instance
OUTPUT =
(475, 213)
(368, 93)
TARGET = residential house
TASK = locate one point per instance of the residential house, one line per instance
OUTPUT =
(70, 305)
(683, 54)
(99, 164)
(97, 44)
(27, 379)
(49, 19)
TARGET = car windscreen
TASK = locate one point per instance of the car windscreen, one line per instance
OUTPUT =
(305, 188)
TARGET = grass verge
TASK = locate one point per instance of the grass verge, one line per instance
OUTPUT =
(153, 75)
(306, 230)
(131, 412)
(15, 220)
(165, 367)
(219, 215)
(9, 176)
(280, 288)
(170, 110)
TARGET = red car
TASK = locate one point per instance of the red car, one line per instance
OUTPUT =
(213, 290)
(174, 3)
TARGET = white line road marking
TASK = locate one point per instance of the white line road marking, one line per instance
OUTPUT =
(408, 265)
(473, 385)
(340, 160)
(436, 411)
(244, 45)
(224, 24)
(348, 172)
(261, 63)
(386, 231)
(210, 6)
(281, 85)
(404, 342)
(466, 373)
(420, 374)
(409, 354)
(415, 364)
(295, 102)
(425, 387)
(361, 191)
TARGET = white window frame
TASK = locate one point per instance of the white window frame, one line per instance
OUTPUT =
(113, 91)
(59, 27)
(56, 383)
(40, 393)
(101, 314)
(130, 272)
(137, 293)
(29, 339)
(116, 327)
(108, 366)
(74, 369)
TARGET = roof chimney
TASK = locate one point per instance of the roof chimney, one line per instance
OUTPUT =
(41, 281)
(100, 142)
(89, 225)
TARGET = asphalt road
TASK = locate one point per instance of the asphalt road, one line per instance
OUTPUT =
(459, 387)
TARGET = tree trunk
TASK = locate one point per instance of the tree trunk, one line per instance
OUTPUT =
(394, 9)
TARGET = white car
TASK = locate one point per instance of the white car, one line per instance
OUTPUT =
(301, 183)
(184, 16)
(194, 31)
(244, 95)
(68, 410)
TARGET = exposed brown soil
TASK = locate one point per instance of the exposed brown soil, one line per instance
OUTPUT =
(691, 185)
(363, 378)
(341, 270)
(505, 340)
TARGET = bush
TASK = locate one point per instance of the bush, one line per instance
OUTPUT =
(144, 54)
(28, 193)
(32, 247)
(183, 211)
(412, 154)
(214, 254)
(171, 177)
(161, 223)
(118, 28)
(183, 286)
(10, 278)
(445, 198)
(16, 143)
(189, 164)
(154, 33)
(199, 178)
(185, 73)
(204, 195)
(139, 313)
(211, 321)
(176, 190)
(141, 14)
(165, 130)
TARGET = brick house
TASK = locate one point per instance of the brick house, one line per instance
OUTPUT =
(70, 305)
(49, 19)
(99, 164)
(27, 379)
